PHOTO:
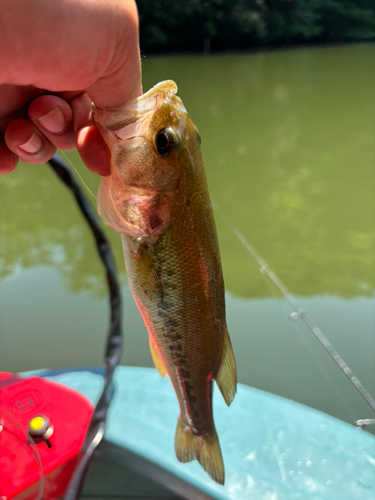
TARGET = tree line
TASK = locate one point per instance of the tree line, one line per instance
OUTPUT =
(217, 25)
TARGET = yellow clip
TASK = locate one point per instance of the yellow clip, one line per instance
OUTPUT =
(36, 423)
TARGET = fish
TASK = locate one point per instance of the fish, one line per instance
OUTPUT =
(157, 198)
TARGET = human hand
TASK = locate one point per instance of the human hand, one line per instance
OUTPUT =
(55, 59)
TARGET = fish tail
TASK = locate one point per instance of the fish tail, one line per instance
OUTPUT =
(205, 449)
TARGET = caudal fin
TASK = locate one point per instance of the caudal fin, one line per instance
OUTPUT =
(205, 449)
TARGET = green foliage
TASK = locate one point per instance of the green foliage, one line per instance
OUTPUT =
(346, 19)
(195, 25)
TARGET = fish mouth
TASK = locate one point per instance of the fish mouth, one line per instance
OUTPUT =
(113, 119)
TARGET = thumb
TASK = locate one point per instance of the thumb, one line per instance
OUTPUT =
(121, 81)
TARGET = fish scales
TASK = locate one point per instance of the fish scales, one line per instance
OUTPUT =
(185, 329)
(157, 198)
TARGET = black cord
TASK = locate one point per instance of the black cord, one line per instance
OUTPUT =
(96, 428)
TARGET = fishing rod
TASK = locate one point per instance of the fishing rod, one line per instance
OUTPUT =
(95, 431)
(265, 269)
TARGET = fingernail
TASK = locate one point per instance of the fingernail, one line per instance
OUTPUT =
(54, 121)
(33, 145)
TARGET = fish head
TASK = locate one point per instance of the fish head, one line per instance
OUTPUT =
(152, 141)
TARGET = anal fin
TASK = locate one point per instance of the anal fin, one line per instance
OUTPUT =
(159, 365)
(226, 377)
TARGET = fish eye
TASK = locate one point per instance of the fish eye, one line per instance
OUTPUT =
(165, 141)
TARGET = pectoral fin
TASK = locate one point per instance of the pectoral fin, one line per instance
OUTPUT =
(159, 365)
(154, 285)
(226, 377)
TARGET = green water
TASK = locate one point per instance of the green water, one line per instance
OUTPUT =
(288, 140)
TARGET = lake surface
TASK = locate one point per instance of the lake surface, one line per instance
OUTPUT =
(288, 141)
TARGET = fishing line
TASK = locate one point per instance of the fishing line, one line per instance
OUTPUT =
(302, 339)
(323, 371)
(79, 175)
(265, 269)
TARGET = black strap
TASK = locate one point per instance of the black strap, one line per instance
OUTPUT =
(96, 428)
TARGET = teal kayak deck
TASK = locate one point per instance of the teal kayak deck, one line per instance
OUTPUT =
(273, 448)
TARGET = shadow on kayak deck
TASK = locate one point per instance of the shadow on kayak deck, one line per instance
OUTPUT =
(108, 480)
(109, 477)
